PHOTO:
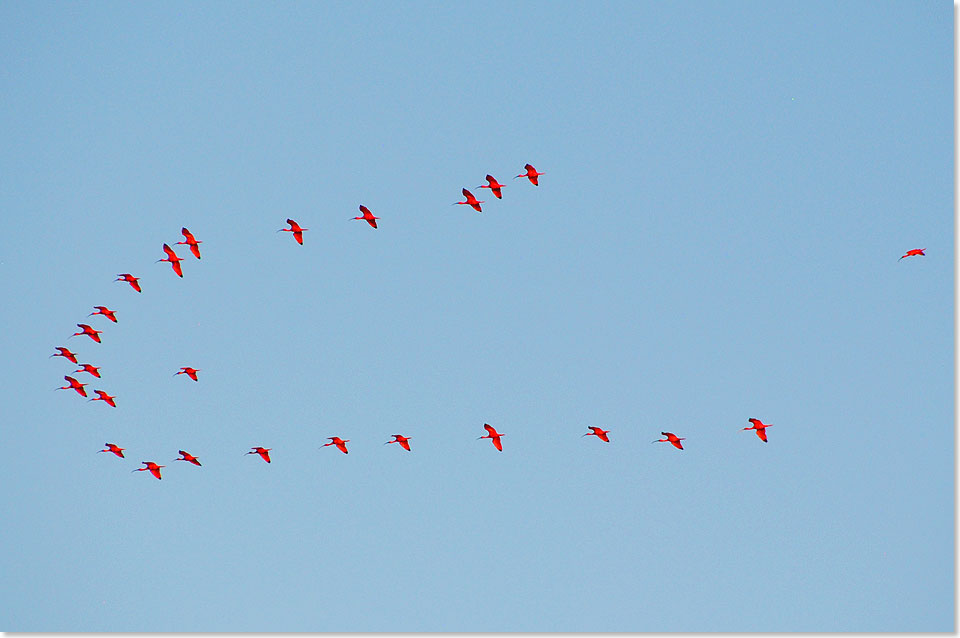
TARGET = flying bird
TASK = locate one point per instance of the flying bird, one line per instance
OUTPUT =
(186, 456)
(111, 447)
(914, 253)
(340, 443)
(402, 440)
(173, 259)
(493, 435)
(760, 427)
(191, 241)
(671, 438)
(106, 398)
(599, 433)
(531, 174)
(190, 372)
(89, 369)
(153, 467)
(296, 230)
(130, 279)
(106, 312)
(87, 330)
(471, 200)
(263, 452)
(74, 385)
(65, 353)
(494, 186)
(367, 216)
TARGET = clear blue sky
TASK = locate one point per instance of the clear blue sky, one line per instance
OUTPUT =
(727, 188)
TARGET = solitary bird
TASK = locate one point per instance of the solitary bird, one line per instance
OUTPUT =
(191, 241)
(402, 440)
(173, 259)
(111, 447)
(87, 330)
(153, 467)
(671, 438)
(600, 434)
(494, 186)
(263, 452)
(296, 230)
(74, 385)
(186, 456)
(89, 369)
(106, 398)
(367, 216)
(130, 279)
(190, 372)
(914, 253)
(106, 312)
(471, 200)
(340, 443)
(492, 435)
(760, 427)
(65, 353)
(531, 174)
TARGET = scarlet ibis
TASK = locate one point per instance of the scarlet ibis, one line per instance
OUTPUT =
(111, 447)
(263, 452)
(153, 467)
(190, 372)
(531, 174)
(106, 398)
(186, 456)
(340, 443)
(367, 216)
(296, 230)
(600, 434)
(191, 241)
(130, 279)
(402, 440)
(493, 435)
(760, 427)
(106, 312)
(494, 186)
(89, 369)
(672, 438)
(914, 252)
(87, 330)
(65, 353)
(74, 385)
(471, 200)
(173, 259)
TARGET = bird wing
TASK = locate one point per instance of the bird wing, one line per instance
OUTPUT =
(497, 444)
(187, 235)
(489, 428)
(366, 211)
(756, 422)
(169, 251)
(762, 433)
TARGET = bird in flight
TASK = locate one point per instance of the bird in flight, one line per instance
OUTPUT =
(599, 433)
(89, 369)
(130, 279)
(87, 330)
(494, 186)
(74, 385)
(191, 241)
(914, 253)
(106, 398)
(760, 427)
(296, 230)
(471, 200)
(111, 447)
(263, 452)
(65, 353)
(186, 456)
(190, 372)
(153, 467)
(671, 438)
(493, 435)
(531, 174)
(367, 216)
(340, 443)
(402, 440)
(173, 259)
(106, 312)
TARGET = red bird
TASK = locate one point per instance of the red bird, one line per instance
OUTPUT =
(471, 200)
(153, 467)
(74, 385)
(191, 241)
(173, 259)
(89, 369)
(87, 330)
(111, 447)
(263, 452)
(672, 438)
(340, 443)
(531, 174)
(106, 312)
(914, 253)
(494, 186)
(402, 440)
(106, 398)
(493, 435)
(65, 353)
(760, 427)
(186, 456)
(296, 230)
(367, 216)
(130, 279)
(600, 434)
(190, 372)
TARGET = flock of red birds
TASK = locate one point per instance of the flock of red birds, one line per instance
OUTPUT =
(341, 444)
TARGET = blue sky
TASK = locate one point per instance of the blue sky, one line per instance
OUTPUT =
(727, 189)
